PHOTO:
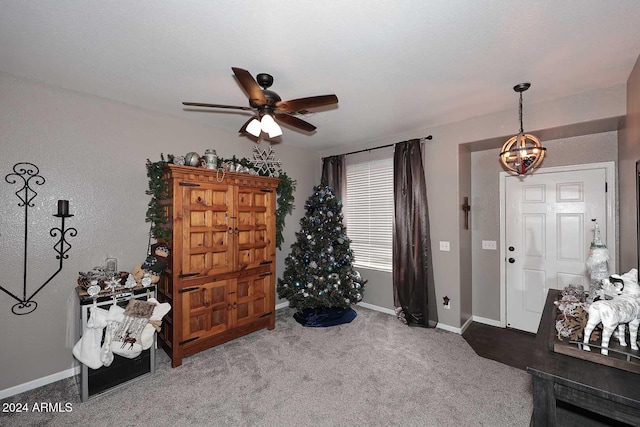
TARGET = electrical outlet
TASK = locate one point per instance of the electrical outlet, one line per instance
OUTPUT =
(490, 245)
(446, 302)
(445, 246)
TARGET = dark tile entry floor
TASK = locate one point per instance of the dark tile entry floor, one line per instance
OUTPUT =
(509, 346)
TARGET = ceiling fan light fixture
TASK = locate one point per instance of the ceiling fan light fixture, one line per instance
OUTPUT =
(275, 132)
(263, 103)
(523, 152)
(269, 126)
(267, 123)
(254, 127)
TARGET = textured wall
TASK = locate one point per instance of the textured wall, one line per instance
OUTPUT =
(91, 151)
(485, 216)
(466, 238)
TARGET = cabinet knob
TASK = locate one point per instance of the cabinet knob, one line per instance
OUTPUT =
(512, 260)
(230, 231)
(229, 307)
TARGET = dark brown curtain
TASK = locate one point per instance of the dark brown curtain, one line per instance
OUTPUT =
(413, 284)
(334, 174)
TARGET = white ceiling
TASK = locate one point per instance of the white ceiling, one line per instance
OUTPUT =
(394, 65)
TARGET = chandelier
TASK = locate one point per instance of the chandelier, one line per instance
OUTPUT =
(523, 152)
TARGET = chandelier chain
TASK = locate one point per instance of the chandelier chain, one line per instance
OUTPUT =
(521, 127)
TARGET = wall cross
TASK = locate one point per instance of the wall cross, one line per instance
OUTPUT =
(466, 207)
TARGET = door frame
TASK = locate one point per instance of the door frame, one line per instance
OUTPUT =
(612, 189)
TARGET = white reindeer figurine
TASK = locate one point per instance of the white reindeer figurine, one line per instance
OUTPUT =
(622, 309)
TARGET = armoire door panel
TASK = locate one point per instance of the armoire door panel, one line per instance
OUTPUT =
(251, 298)
(207, 241)
(206, 309)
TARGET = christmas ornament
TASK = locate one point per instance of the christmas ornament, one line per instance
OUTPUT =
(265, 162)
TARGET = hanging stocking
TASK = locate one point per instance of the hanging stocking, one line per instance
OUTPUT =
(87, 349)
(114, 320)
(127, 337)
(159, 311)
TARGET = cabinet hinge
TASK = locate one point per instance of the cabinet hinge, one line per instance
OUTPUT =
(182, 291)
(187, 341)
(606, 187)
(188, 184)
(183, 275)
(267, 314)
(266, 190)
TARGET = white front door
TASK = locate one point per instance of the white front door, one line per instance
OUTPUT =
(549, 228)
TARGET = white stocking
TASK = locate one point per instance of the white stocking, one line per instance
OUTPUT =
(114, 318)
(87, 349)
(159, 311)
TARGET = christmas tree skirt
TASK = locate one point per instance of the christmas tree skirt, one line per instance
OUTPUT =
(324, 316)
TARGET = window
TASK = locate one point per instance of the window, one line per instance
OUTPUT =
(369, 211)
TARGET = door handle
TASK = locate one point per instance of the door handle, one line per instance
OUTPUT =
(512, 260)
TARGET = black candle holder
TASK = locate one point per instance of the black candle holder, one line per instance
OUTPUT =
(29, 174)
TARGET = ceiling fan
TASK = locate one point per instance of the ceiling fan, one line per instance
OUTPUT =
(267, 106)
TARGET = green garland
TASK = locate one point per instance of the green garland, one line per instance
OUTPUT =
(285, 190)
(159, 190)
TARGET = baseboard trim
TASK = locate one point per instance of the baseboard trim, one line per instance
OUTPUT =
(486, 321)
(39, 382)
(393, 313)
(282, 305)
(377, 308)
(449, 328)
(466, 325)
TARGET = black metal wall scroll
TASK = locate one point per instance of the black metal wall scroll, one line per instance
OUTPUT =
(27, 174)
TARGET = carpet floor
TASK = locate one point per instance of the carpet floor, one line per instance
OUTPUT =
(373, 371)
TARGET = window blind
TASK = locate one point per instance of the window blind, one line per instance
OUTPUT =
(369, 212)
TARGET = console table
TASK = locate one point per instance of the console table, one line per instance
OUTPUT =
(94, 382)
(572, 391)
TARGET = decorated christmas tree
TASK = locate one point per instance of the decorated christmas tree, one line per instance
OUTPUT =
(319, 272)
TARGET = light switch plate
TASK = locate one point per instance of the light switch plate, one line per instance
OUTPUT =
(490, 245)
(445, 246)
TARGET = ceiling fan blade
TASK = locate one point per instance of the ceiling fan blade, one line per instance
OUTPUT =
(305, 103)
(250, 86)
(199, 104)
(295, 122)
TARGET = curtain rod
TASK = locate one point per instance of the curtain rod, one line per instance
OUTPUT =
(376, 148)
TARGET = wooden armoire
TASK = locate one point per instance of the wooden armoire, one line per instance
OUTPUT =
(221, 275)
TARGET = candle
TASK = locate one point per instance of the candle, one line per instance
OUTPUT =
(63, 207)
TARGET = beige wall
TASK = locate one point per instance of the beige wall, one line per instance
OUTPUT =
(443, 177)
(485, 217)
(91, 151)
(465, 189)
(629, 152)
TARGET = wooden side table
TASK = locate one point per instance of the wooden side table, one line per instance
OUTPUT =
(94, 382)
(572, 391)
